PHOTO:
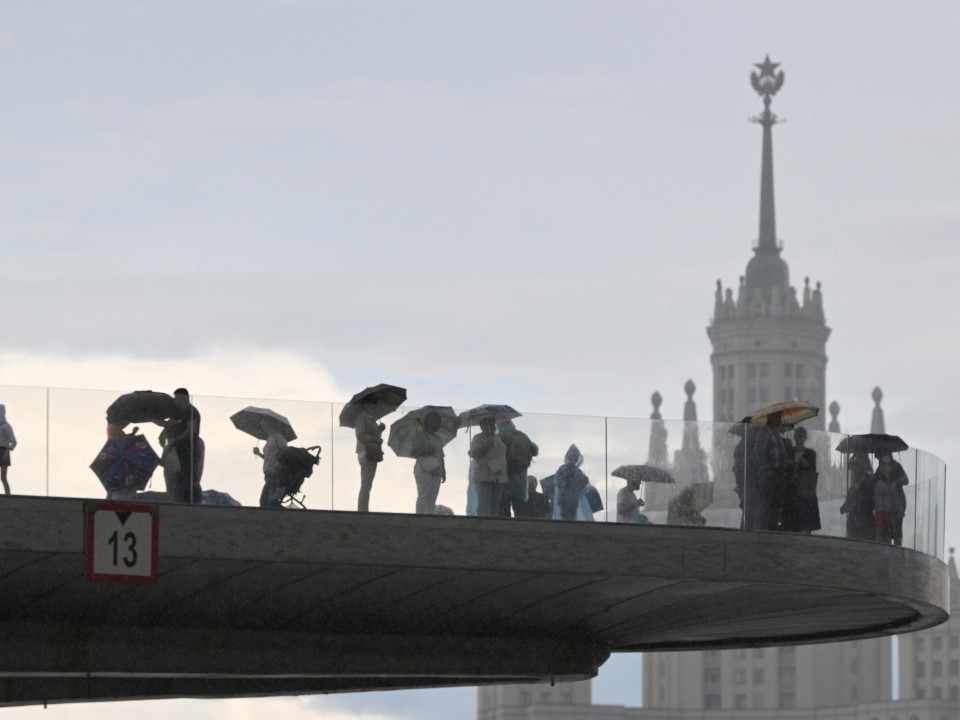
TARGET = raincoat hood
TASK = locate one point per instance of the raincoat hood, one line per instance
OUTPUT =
(573, 456)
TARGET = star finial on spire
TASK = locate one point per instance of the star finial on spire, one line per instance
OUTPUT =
(767, 67)
(768, 81)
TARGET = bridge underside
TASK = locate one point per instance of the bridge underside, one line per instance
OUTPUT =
(254, 602)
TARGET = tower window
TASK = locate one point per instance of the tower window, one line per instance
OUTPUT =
(751, 369)
(758, 676)
(721, 372)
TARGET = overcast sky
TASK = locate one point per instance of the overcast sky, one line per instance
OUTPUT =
(524, 202)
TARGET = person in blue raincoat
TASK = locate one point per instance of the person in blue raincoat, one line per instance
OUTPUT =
(571, 482)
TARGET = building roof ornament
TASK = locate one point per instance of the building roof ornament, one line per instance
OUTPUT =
(767, 273)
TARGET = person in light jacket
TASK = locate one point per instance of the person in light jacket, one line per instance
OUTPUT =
(429, 470)
(489, 469)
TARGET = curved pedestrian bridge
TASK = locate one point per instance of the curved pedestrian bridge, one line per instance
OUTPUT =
(256, 602)
(249, 601)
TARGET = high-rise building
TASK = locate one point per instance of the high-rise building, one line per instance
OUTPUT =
(768, 344)
(930, 659)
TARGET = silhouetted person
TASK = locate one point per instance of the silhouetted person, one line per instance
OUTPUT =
(520, 453)
(805, 467)
(570, 484)
(369, 432)
(273, 482)
(682, 510)
(489, 468)
(628, 504)
(858, 506)
(183, 438)
(429, 470)
(789, 500)
(770, 455)
(889, 499)
(8, 441)
(743, 462)
(536, 505)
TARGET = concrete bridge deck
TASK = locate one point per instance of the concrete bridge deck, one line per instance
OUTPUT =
(254, 602)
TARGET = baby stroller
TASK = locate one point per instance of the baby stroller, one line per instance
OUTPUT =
(283, 489)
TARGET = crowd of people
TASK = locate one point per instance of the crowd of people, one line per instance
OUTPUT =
(775, 476)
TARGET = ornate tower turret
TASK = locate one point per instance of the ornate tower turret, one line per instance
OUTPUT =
(769, 344)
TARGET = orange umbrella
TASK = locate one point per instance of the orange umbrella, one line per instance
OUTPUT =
(791, 412)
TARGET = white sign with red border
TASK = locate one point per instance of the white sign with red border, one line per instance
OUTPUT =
(122, 542)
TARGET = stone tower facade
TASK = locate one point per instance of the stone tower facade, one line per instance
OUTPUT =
(769, 345)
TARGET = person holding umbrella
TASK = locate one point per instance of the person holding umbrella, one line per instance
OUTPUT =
(421, 434)
(363, 414)
(628, 504)
(489, 468)
(369, 434)
(272, 469)
(429, 471)
(265, 424)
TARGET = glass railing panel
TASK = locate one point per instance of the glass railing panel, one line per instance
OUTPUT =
(923, 521)
(77, 435)
(26, 411)
(61, 431)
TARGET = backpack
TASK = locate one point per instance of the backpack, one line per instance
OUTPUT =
(519, 452)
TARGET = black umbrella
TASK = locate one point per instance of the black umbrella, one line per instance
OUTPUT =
(141, 406)
(872, 443)
(262, 423)
(387, 398)
(643, 473)
(499, 413)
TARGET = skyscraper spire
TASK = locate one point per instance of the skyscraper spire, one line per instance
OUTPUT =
(768, 277)
(767, 82)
